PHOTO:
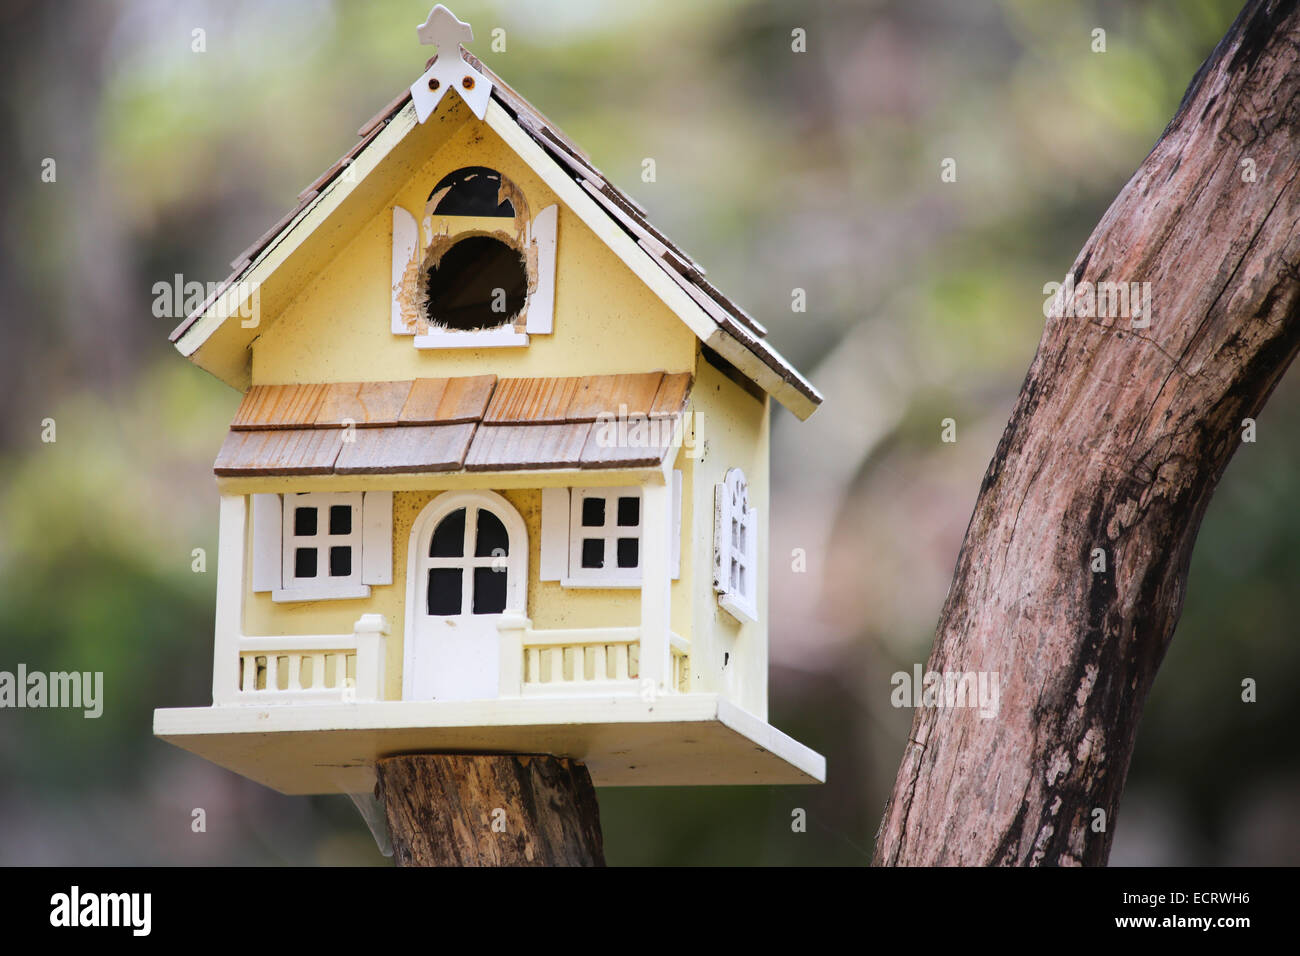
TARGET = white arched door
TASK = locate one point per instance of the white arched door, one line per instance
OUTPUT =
(466, 570)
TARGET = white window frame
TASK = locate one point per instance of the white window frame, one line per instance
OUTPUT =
(735, 548)
(323, 587)
(562, 545)
(611, 575)
(538, 312)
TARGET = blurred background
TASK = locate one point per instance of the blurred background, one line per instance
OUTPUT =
(777, 170)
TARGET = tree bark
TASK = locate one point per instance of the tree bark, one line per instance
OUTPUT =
(490, 810)
(1117, 441)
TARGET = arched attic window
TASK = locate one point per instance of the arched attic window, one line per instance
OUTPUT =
(470, 191)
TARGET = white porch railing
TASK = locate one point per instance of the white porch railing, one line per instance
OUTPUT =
(313, 669)
(592, 660)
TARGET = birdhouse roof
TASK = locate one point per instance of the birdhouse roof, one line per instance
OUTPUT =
(718, 322)
(473, 423)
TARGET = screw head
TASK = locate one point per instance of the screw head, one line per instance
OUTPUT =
(433, 83)
(468, 82)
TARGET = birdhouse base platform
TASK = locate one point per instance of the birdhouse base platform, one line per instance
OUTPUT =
(675, 740)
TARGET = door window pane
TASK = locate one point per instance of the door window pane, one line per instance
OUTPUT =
(444, 590)
(489, 590)
(449, 536)
(492, 537)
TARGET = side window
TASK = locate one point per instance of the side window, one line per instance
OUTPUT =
(605, 536)
(735, 548)
(321, 546)
(591, 537)
(322, 541)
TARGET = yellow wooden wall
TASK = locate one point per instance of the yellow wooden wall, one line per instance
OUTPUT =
(337, 329)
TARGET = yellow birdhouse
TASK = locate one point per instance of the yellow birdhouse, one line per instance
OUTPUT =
(499, 480)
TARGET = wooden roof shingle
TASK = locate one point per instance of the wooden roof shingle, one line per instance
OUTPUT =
(471, 423)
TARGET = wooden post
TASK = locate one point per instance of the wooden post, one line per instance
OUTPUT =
(656, 585)
(229, 624)
(490, 810)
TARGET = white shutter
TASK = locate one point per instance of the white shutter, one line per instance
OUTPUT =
(677, 525)
(555, 534)
(377, 537)
(541, 304)
(751, 562)
(406, 237)
(266, 542)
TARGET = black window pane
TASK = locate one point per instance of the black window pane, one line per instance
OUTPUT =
(340, 519)
(593, 512)
(489, 590)
(444, 591)
(593, 552)
(304, 563)
(492, 538)
(304, 521)
(629, 512)
(449, 537)
(340, 562)
(628, 549)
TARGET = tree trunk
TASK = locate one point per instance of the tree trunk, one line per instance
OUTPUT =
(1117, 442)
(490, 810)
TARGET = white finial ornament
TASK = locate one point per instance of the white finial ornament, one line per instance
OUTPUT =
(443, 30)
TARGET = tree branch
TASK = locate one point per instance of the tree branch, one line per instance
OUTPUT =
(1117, 441)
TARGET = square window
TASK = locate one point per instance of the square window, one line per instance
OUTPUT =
(593, 515)
(735, 548)
(320, 547)
(593, 552)
(340, 519)
(304, 560)
(629, 512)
(604, 535)
(304, 522)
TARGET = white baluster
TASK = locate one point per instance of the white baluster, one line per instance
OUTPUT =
(620, 661)
(272, 672)
(295, 672)
(249, 666)
(598, 666)
(534, 675)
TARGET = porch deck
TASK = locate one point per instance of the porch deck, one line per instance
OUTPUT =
(673, 740)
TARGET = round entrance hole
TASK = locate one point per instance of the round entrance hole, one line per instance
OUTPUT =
(479, 283)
